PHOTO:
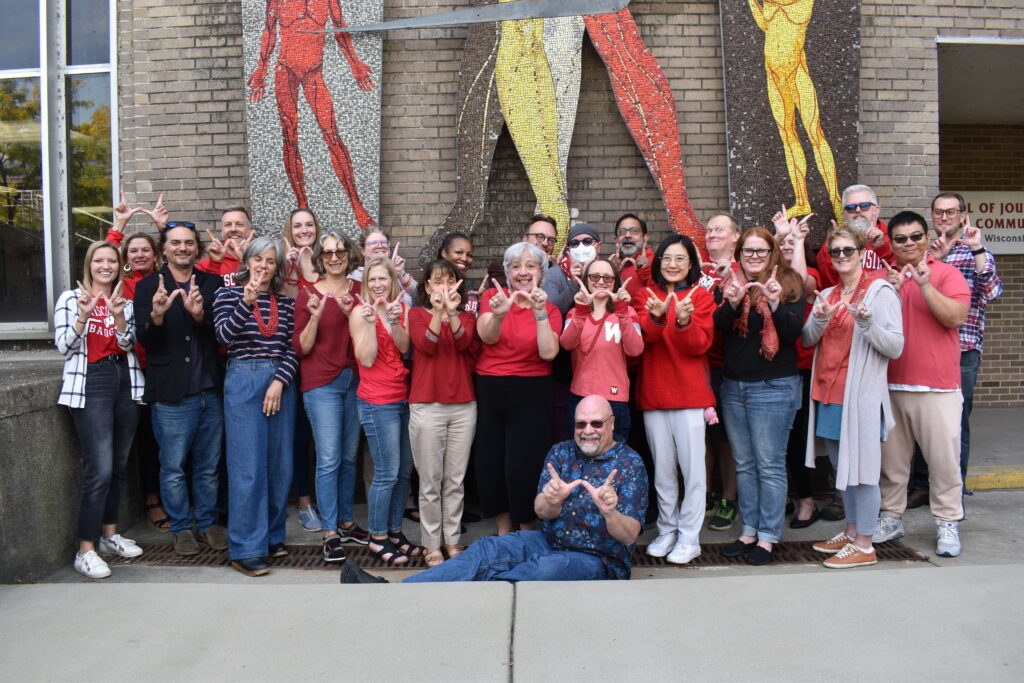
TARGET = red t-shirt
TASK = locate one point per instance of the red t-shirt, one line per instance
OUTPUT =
(805, 354)
(709, 280)
(515, 353)
(441, 363)
(387, 380)
(332, 351)
(931, 351)
(101, 339)
(226, 268)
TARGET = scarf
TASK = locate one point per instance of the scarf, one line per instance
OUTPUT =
(769, 336)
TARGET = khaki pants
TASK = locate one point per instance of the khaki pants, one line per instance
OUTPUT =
(441, 436)
(932, 419)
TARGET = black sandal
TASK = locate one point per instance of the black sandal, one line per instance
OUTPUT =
(158, 524)
(404, 545)
(388, 553)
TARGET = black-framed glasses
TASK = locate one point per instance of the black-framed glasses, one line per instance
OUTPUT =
(913, 237)
(585, 241)
(755, 253)
(628, 230)
(541, 237)
(330, 253)
(836, 252)
(181, 224)
(594, 278)
(594, 424)
(863, 206)
(947, 213)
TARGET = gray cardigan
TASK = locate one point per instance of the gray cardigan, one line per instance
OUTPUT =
(866, 395)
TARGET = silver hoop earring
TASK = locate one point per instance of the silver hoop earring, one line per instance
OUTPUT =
(127, 268)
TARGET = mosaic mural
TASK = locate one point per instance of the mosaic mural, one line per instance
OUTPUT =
(532, 67)
(313, 112)
(792, 83)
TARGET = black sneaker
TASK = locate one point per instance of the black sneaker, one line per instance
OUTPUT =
(277, 550)
(353, 534)
(724, 517)
(738, 548)
(709, 503)
(353, 573)
(333, 551)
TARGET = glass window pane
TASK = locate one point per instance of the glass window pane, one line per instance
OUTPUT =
(89, 173)
(22, 268)
(88, 31)
(19, 35)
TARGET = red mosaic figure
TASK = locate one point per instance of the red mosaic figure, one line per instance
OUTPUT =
(300, 65)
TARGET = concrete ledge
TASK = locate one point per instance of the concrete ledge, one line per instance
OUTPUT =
(983, 477)
(175, 632)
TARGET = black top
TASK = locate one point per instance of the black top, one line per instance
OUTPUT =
(743, 361)
(173, 348)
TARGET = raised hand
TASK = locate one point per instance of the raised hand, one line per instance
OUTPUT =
(501, 302)
(802, 229)
(452, 299)
(922, 274)
(684, 308)
(215, 249)
(483, 286)
(583, 297)
(734, 290)
(194, 300)
(87, 301)
(616, 258)
(291, 253)
(771, 288)
(862, 311)
(117, 302)
(894, 277)
(161, 300)
(236, 248)
(655, 307)
(397, 261)
(971, 236)
(604, 496)
(366, 311)
(437, 300)
(158, 214)
(622, 294)
(556, 490)
(940, 246)
(538, 299)
(315, 304)
(641, 260)
(782, 224)
(346, 302)
(393, 309)
(875, 236)
(251, 291)
(822, 308)
(576, 269)
(122, 213)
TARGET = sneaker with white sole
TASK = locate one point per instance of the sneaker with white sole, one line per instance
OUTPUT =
(947, 539)
(662, 545)
(851, 556)
(683, 553)
(834, 544)
(889, 529)
(91, 565)
(310, 519)
(119, 545)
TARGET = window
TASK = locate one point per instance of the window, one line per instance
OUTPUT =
(58, 151)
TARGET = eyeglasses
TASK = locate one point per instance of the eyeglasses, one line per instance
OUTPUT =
(675, 260)
(755, 253)
(594, 278)
(541, 237)
(913, 237)
(180, 224)
(585, 241)
(328, 254)
(594, 424)
(863, 206)
(377, 243)
(948, 213)
(622, 232)
(836, 252)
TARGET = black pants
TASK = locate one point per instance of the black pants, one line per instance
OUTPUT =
(148, 453)
(796, 450)
(105, 427)
(513, 428)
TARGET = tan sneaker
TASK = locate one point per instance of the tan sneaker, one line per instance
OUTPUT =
(216, 537)
(851, 556)
(834, 544)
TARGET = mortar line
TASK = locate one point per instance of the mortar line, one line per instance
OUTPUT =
(512, 636)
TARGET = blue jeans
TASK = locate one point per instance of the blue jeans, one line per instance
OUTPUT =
(259, 458)
(970, 361)
(620, 411)
(758, 417)
(520, 556)
(334, 415)
(387, 432)
(196, 424)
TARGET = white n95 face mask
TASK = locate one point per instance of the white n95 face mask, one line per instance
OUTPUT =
(583, 254)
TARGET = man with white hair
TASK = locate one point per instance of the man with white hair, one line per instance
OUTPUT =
(860, 212)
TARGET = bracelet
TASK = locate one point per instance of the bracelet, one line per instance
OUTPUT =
(391, 321)
(83, 323)
(978, 252)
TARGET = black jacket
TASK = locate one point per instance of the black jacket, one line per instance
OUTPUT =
(168, 365)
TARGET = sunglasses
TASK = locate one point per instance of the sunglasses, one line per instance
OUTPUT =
(328, 254)
(540, 237)
(913, 237)
(585, 241)
(594, 278)
(863, 206)
(594, 424)
(180, 224)
(836, 252)
(759, 253)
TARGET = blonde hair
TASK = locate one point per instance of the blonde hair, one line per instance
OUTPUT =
(385, 263)
(93, 248)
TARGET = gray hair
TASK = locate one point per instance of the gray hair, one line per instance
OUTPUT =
(256, 247)
(860, 188)
(345, 242)
(516, 252)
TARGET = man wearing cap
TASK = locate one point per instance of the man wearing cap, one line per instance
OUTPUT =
(582, 246)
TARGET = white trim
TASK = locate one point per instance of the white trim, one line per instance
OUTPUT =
(979, 40)
(19, 73)
(115, 135)
(80, 69)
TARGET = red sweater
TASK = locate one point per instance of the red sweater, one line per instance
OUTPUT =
(515, 353)
(442, 363)
(332, 351)
(674, 372)
(599, 350)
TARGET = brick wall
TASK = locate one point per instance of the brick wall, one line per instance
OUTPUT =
(183, 123)
(977, 157)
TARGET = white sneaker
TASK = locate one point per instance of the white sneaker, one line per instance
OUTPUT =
(683, 553)
(661, 546)
(889, 529)
(91, 565)
(948, 539)
(119, 545)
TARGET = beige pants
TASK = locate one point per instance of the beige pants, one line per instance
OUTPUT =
(441, 435)
(932, 419)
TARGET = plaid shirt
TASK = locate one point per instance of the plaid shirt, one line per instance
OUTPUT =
(76, 353)
(985, 286)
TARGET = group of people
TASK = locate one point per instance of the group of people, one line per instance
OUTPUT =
(743, 367)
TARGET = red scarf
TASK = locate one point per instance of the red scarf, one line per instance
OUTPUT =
(769, 336)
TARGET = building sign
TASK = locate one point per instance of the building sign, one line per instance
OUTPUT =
(1000, 216)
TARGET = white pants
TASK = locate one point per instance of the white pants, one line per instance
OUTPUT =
(677, 437)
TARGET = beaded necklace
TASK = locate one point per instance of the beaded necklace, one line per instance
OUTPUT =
(267, 329)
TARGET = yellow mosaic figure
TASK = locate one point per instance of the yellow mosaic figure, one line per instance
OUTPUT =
(527, 93)
(790, 88)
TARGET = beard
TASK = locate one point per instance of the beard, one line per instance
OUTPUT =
(589, 444)
(628, 248)
(860, 222)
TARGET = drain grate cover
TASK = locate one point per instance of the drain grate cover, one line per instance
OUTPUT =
(311, 557)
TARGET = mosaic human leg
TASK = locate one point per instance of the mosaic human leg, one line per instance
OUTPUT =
(286, 91)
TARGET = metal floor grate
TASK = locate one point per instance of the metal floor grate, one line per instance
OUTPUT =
(311, 557)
